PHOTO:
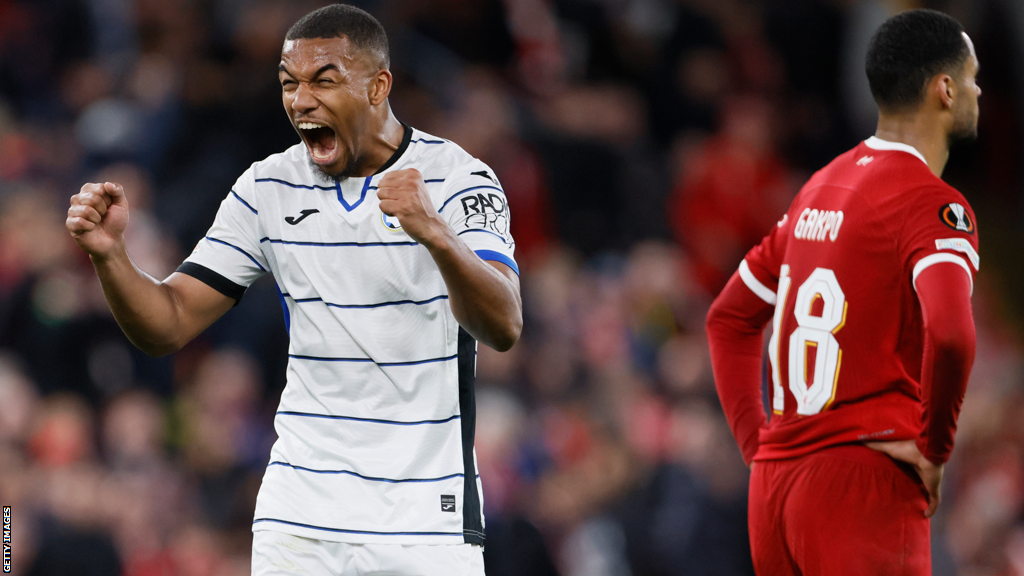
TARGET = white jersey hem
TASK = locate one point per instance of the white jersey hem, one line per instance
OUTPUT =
(355, 537)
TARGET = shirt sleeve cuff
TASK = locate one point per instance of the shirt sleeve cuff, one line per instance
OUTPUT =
(213, 280)
(498, 257)
(933, 259)
(763, 292)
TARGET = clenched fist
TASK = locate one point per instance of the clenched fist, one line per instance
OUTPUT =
(97, 218)
(403, 194)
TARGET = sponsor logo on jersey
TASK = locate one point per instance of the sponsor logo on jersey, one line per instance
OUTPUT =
(484, 174)
(302, 216)
(864, 161)
(960, 245)
(781, 223)
(817, 225)
(486, 210)
(390, 222)
(447, 503)
(956, 217)
(879, 434)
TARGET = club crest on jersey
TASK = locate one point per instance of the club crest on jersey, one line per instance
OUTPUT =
(390, 222)
(956, 217)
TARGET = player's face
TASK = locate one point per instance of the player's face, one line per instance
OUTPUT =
(965, 110)
(325, 84)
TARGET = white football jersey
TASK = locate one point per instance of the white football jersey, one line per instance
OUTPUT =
(376, 422)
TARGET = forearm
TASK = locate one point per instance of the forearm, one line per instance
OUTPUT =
(735, 373)
(734, 328)
(484, 298)
(158, 317)
(484, 301)
(944, 379)
(949, 346)
(145, 308)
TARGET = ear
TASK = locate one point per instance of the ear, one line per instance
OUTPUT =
(380, 87)
(945, 89)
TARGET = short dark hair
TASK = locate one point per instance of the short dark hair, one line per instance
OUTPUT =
(337, 20)
(908, 50)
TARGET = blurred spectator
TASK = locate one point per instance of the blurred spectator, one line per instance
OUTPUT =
(514, 546)
(222, 441)
(73, 536)
(730, 189)
(19, 398)
(485, 125)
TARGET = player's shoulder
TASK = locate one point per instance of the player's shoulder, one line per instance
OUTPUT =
(433, 151)
(932, 191)
(904, 180)
(895, 168)
(295, 154)
(436, 153)
(277, 174)
(909, 196)
(439, 158)
(923, 204)
(289, 165)
(883, 171)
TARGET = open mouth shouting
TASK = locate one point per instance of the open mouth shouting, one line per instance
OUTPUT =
(321, 141)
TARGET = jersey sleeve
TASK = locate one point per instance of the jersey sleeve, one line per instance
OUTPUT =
(948, 354)
(734, 326)
(229, 258)
(761, 267)
(475, 206)
(938, 226)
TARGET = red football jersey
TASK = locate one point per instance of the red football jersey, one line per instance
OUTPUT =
(846, 347)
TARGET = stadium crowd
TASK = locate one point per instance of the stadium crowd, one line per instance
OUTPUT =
(644, 146)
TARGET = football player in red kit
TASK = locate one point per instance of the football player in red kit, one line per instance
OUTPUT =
(868, 279)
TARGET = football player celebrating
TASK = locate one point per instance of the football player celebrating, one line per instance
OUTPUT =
(391, 251)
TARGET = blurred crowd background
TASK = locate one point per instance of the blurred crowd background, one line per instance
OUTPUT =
(644, 146)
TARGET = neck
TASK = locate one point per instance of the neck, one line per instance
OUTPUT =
(924, 134)
(381, 143)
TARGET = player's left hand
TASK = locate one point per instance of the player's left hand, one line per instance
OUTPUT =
(403, 194)
(929, 472)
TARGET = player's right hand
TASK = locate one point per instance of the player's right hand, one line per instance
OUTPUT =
(929, 472)
(97, 218)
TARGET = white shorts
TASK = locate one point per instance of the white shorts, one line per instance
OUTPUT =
(280, 554)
